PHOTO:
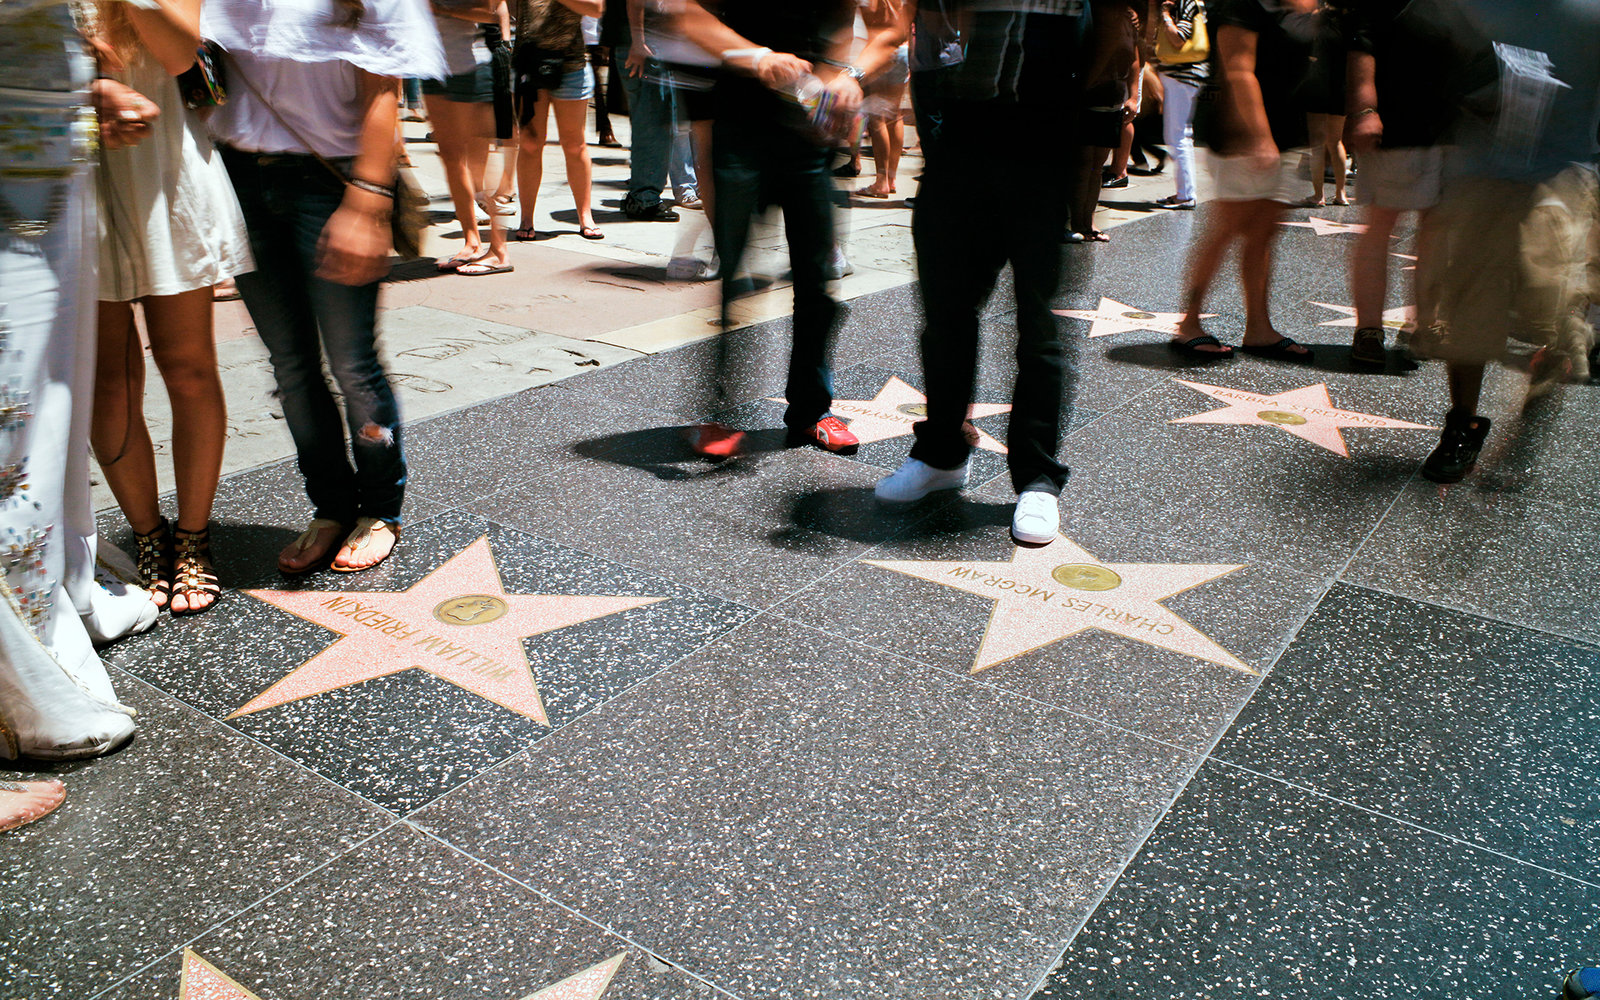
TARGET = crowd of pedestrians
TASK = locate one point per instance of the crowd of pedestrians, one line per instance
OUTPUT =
(269, 155)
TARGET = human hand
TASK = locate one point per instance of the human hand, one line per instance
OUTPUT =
(638, 55)
(845, 92)
(1363, 132)
(125, 114)
(354, 246)
(1130, 108)
(779, 69)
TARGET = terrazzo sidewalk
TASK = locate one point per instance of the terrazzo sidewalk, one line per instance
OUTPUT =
(1273, 717)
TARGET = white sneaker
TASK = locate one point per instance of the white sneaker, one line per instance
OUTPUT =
(840, 265)
(1037, 519)
(916, 479)
(692, 269)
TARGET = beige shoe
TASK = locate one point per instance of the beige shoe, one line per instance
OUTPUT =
(371, 536)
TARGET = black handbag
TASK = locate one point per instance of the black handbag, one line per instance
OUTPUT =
(203, 85)
(537, 68)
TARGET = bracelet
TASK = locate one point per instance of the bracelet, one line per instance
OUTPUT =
(754, 55)
(854, 73)
(371, 188)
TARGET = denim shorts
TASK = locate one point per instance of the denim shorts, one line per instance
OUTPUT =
(577, 85)
(476, 86)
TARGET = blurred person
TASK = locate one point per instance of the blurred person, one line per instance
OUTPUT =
(1525, 177)
(56, 699)
(652, 108)
(411, 100)
(307, 135)
(497, 36)
(880, 109)
(600, 65)
(786, 89)
(1325, 105)
(552, 72)
(1256, 130)
(170, 229)
(1399, 102)
(1000, 117)
(1174, 24)
(1127, 68)
(1110, 101)
(462, 109)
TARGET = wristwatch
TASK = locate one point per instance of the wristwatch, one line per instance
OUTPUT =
(854, 73)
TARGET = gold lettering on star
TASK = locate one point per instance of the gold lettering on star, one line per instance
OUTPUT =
(896, 407)
(1034, 603)
(1308, 413)
(456, 623)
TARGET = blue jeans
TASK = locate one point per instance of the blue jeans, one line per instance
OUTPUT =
(757, 160)
(287, 200)
(651, 114)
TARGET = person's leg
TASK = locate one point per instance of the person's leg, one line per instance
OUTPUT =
(1205, 260)
(737, 167)
(700, 132)
(453, 137)
(530, 161)
(650, 118)
(1317, 126)
(481, 125)
(1337, 156)
(1042, 393)
(1255, 272)
(600, 60)
(571, 120)
(119, 435)
(882, 183)
(22, 802)
(1177, 127)
(807, 198)
(1369, 272)
(1119, 156)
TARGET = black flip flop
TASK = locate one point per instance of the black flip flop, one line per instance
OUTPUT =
(1280, 351)
(1191, 348)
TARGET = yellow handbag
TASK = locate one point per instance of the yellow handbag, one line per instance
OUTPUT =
(1196, 49)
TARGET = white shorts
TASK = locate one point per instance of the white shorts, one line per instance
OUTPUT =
(1403, 180)
(1236, 180)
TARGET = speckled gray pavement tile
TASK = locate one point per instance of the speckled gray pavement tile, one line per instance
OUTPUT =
(1495, 554)
(1257, 491)
(1549, 453)
(742, 529)
(792, 815)
(1145, 685)
(403, 738)
(446, 929)
(1474, 728)
(1250, 888)
(154, 844)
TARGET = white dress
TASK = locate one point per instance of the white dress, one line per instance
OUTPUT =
(169, 220)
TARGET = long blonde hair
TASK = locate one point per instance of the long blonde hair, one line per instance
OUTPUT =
(113, 27)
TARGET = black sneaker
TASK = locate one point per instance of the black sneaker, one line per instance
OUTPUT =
(657, 212)
(1366, 347)
(1458, 449)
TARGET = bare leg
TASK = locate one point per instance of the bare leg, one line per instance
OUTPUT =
(570, 123)
(1317, 125)
(1205, 259)
(1369, 272)
(530, 162)
(883, 184)
(451, 135)
(1336, 153)
(1255, 271)
(480, 126)
(185, 352)
(22, 802)
(118, 433)
(1119, 161)
(705, 178)
(507, 188)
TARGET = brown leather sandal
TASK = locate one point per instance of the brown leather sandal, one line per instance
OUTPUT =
(153, 555)
(193, 573)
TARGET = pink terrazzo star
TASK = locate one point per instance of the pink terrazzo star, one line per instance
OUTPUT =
(456, 623)
(1044, 595)
(1113, 317)
(1307, 413)
(896, 407)
(200, 980)
(1328, 227)
(590, 984)
(1398, 318)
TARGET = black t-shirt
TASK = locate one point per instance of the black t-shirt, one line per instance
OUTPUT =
(1423, 62)
(807, 28)
(1284, 39)
(990, 52)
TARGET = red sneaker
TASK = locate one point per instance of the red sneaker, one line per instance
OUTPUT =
(714, 440)
(829, 434)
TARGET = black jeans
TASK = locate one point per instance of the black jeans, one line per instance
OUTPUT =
(757, 162)
(962, 242)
